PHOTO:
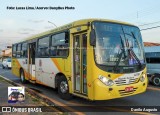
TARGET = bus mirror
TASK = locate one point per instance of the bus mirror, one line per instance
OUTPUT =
(92, 38)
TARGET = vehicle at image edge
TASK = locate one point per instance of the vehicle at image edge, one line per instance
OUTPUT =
(95, 59)
(6, 63)
(153, 64)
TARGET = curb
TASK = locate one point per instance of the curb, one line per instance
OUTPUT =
(49, 101)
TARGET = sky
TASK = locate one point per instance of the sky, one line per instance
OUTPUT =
(16, 25)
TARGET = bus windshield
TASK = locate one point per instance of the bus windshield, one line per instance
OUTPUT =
(118, 45)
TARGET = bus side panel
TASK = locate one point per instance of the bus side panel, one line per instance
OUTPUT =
(17, 64)
(46, 70)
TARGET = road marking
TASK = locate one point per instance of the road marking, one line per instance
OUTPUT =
(111, 108)
(153, 88)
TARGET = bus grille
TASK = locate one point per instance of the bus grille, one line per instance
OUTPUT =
(124, 93)
(126, 82)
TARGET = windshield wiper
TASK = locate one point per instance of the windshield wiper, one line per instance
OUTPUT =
(120, 55)
(135, 56)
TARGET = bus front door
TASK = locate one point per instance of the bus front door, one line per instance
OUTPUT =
(32, 47)
(80, 63)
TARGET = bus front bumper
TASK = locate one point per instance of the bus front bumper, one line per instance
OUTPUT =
(103, 92)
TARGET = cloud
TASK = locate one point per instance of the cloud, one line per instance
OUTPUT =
(151, 35)
(48, 27)
(23, 32)
(26, 30)
(36, 21)
(7, 22)
(1, 30)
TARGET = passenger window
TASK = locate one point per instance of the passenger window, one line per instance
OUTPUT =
(24, 50)
(14, 51)
(43, 47)
(153, 57)
(59, 46)
(19, 50)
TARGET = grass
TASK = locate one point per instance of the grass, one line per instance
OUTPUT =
(35, 100)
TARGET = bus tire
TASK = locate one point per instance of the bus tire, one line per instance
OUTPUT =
(22, 77)
(63, 88)
(156, 80)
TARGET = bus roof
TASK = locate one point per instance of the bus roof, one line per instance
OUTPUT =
(73, 24)
(152, 49)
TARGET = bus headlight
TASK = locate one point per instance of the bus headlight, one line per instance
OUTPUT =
(142, 78)
(106, 81)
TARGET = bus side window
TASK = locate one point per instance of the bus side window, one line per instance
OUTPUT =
(43, 47)
(152, 57)
(59, 46)
(19, 50)
(53, 51)
(14, 51)
(24, 50)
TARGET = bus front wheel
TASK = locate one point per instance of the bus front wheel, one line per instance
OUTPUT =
(22, 76)
(63, 88)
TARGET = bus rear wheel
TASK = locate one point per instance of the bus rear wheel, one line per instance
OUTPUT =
(22, 77)
(63, 88)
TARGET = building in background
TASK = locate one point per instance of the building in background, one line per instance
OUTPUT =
(148, 44)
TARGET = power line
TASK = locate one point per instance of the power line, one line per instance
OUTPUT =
(140, 16)
(141, 13)
(150, 28)
(149, 23)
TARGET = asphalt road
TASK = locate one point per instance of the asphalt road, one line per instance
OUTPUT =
(149, 98)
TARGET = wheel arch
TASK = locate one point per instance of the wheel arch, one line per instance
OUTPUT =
(57, 76)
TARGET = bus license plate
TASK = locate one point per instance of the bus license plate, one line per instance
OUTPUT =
(129, 88)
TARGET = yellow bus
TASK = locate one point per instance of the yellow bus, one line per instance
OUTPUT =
(96, 59)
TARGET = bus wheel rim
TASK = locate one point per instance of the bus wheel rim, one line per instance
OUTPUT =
(63, 87)
(157, 81)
